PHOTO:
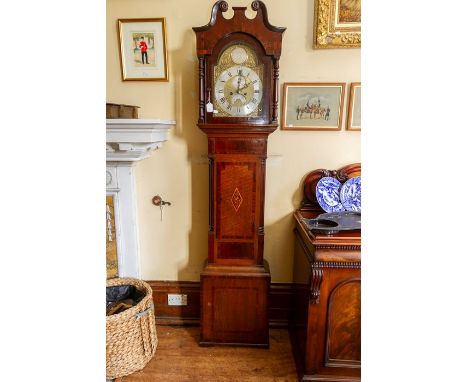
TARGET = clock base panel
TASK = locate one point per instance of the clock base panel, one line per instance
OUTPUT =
(234, 305)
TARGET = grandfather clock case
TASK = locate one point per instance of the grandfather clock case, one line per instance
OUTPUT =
(238, 109)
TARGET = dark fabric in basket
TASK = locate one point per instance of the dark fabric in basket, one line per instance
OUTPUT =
(118, 293)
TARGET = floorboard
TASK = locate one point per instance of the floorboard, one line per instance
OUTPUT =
(178, 358)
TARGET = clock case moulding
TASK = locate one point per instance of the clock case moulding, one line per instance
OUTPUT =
(262, 37)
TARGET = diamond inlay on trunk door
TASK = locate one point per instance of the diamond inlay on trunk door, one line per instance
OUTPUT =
(236, 199)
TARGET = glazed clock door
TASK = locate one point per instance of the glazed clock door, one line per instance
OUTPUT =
(237, 78)
(237, 86)
(238, 91)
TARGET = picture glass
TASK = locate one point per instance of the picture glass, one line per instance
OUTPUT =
(143, 50)
(312, 107)
(356, 120)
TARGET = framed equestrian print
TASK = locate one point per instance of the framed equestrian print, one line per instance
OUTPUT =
(312, 106)
(143, 52)
(337, 24)
(354, 107)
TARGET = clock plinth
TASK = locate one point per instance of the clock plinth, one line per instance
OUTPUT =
(234, 305)
(238, 72)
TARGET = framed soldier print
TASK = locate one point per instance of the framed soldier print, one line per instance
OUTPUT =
(143, 52)
(312, 106)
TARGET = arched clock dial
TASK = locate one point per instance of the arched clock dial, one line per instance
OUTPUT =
(238, 88)
(238, 91)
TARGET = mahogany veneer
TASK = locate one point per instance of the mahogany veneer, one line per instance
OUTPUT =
(235, 281)
(235, 306)
(326, 321)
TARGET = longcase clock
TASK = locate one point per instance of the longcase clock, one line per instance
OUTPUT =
(238, 109)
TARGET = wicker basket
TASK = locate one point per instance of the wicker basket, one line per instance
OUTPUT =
(131, 337)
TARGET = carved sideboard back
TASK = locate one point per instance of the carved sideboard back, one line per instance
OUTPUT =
(309, 201)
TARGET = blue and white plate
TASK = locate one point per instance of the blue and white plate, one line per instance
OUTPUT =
(350, 194)
(328, 194)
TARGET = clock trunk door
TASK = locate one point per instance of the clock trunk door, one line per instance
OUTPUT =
(237, 191)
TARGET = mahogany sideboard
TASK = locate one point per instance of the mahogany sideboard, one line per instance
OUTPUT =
(325, 325)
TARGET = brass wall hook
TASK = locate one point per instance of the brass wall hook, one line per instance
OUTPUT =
(157, 201)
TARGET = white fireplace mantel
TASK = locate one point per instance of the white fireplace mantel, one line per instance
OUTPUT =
(131, 140)
(127, 142)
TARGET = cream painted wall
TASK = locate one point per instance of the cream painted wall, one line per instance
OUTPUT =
(176, 247)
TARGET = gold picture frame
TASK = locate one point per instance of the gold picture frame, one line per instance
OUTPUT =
(143, 49)
(353, 122)
(312, 106)
(337, 24)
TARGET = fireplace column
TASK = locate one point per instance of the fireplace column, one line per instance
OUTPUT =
(128, 141)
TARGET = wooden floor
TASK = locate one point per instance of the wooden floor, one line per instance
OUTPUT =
(178, 358)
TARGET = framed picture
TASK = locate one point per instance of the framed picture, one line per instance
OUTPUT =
(143, 52)
(354, 107)
(337, 24)
(312, 106)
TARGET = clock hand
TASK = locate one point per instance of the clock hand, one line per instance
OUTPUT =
(246, 85)
(238, 84)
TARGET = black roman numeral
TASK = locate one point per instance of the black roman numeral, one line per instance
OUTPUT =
(223, 99)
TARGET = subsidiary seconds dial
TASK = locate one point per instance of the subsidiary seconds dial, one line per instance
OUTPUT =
(238, 91)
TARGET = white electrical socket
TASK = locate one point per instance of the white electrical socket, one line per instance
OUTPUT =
(177, 299)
